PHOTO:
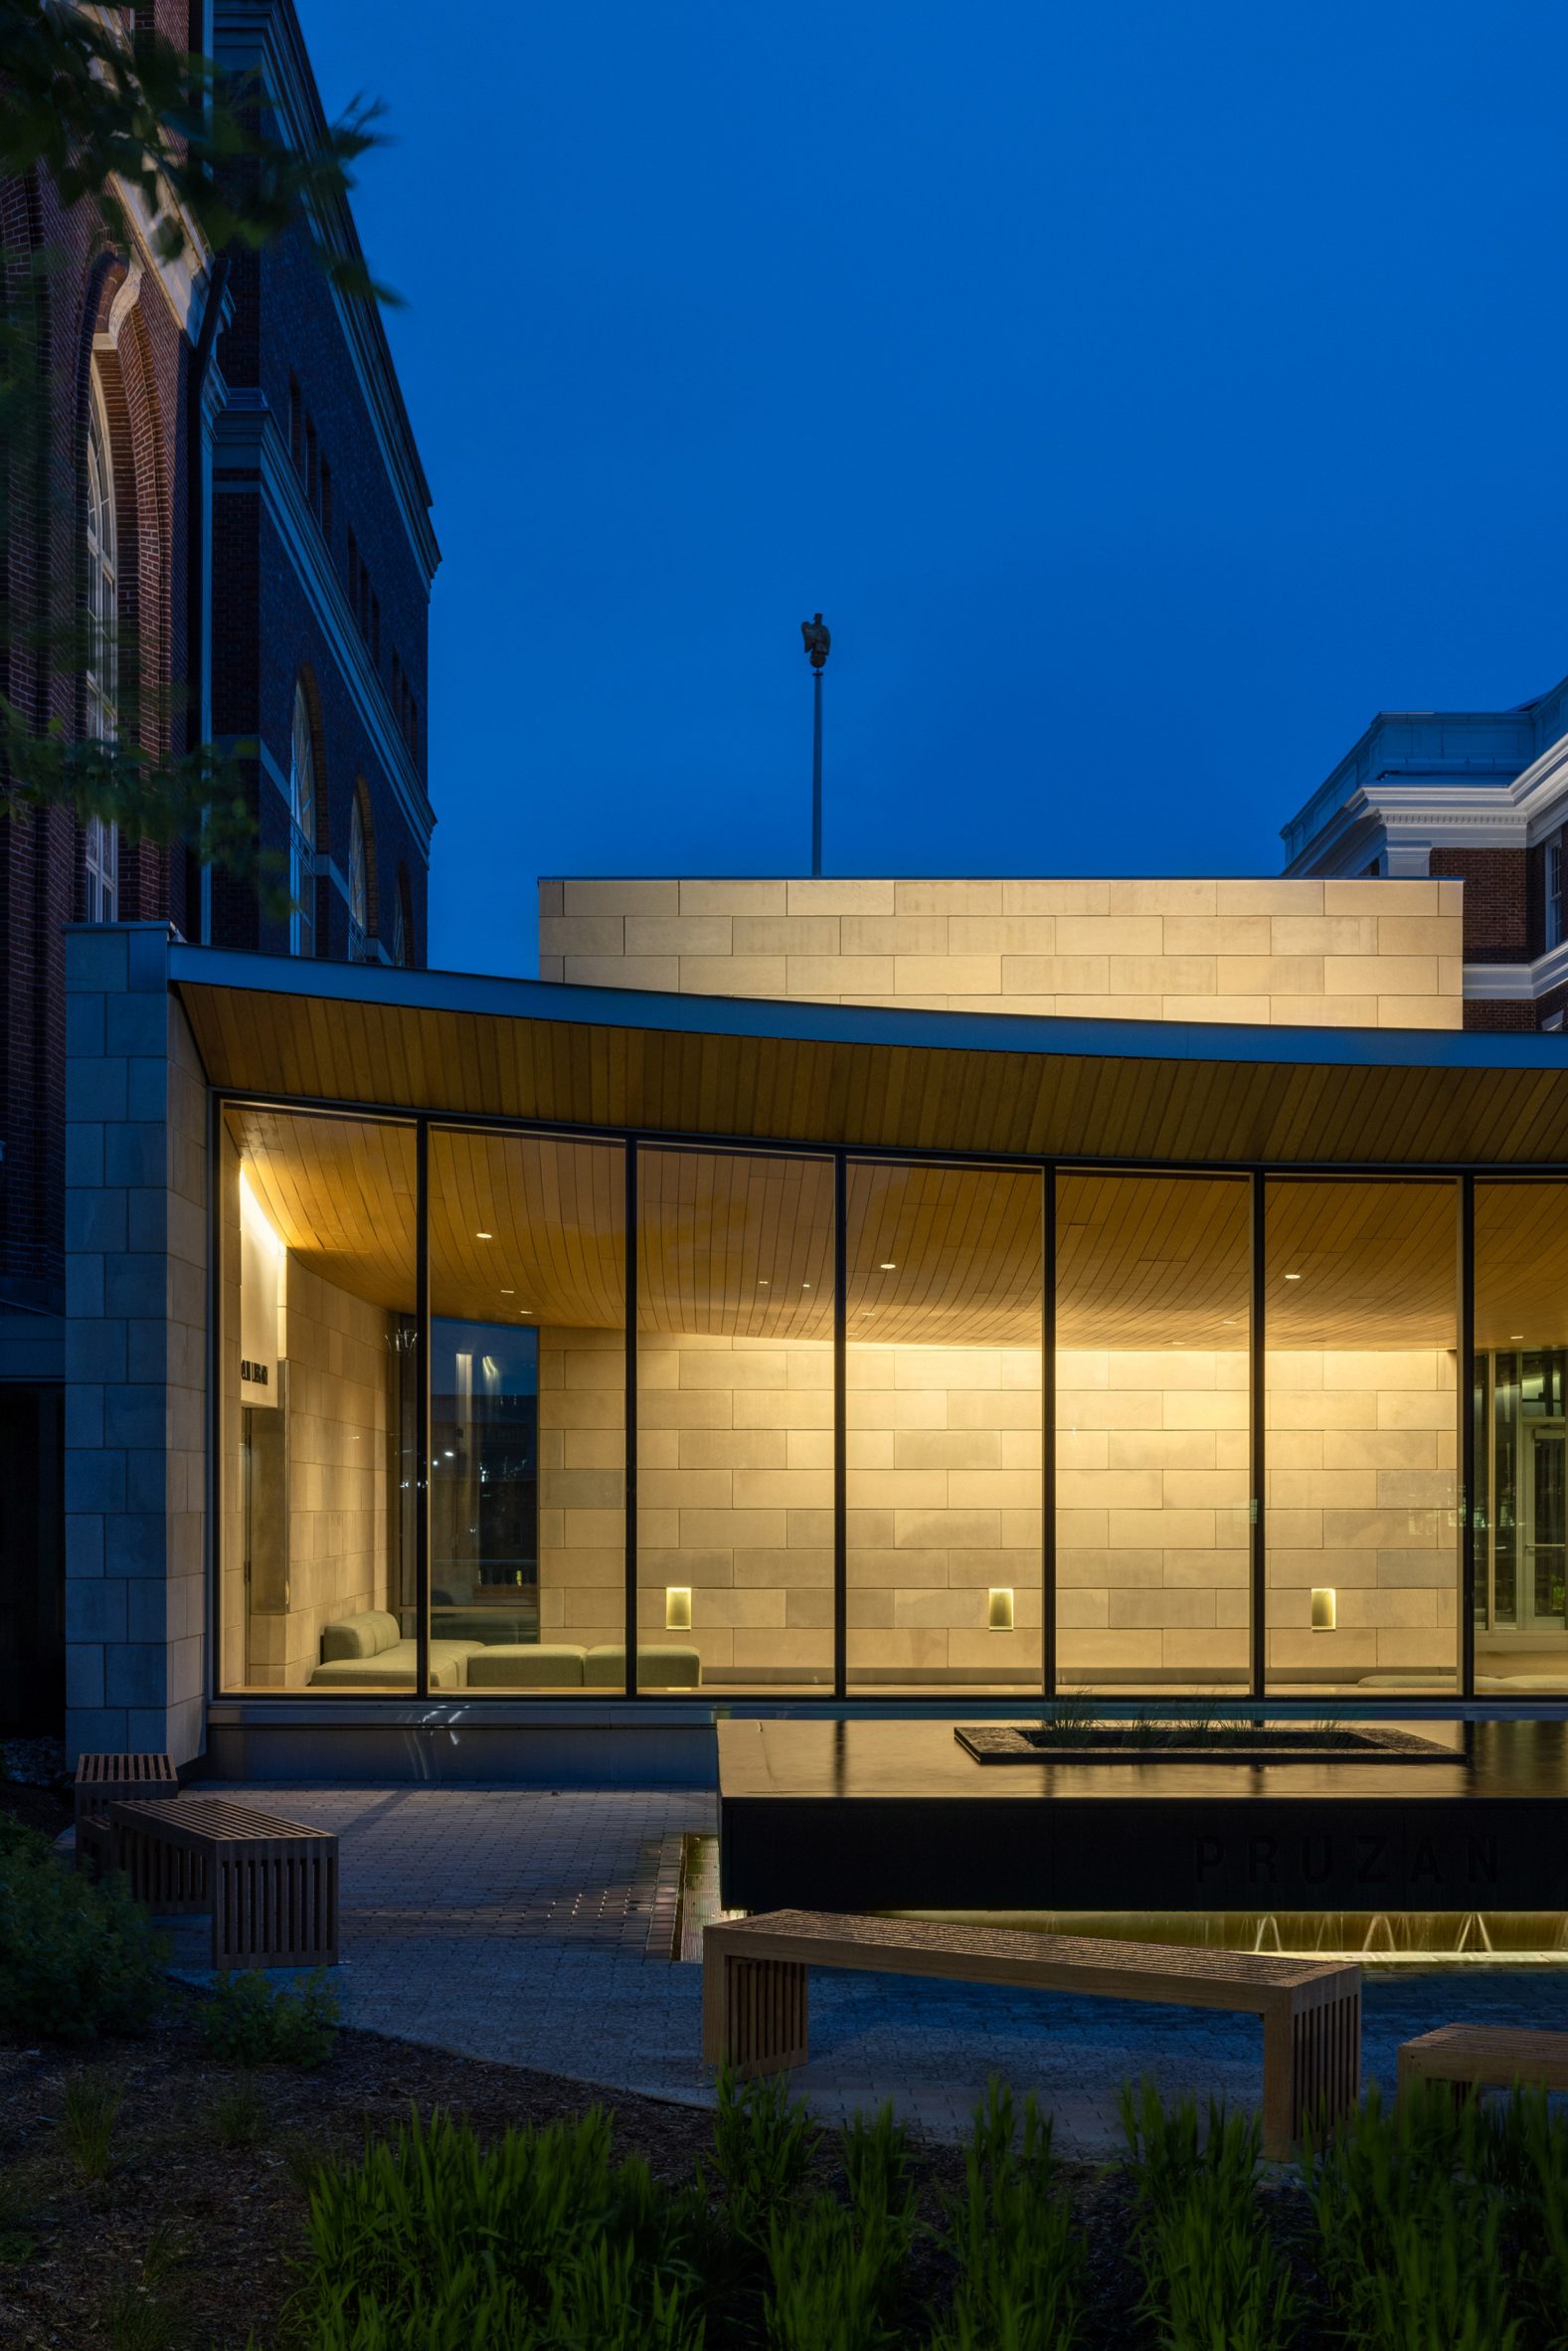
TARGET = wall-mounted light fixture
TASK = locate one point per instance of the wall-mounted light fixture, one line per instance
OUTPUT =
(678, 1608)
(1325, 1603)
(999, 1614)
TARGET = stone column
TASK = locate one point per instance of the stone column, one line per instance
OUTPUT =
(135, 1350)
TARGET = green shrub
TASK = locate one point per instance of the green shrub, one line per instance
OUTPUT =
(1410, 2217)
(1012, 2238)
(238, 2116)
(1212, 2280)
(835, 2275)
(76, 1958)
(433, 2240)
(248, 2021)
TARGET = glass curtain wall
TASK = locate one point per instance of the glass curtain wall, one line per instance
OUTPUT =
(1361, 1311)
(1153, 1484)
(735, 1421)
(317, 1372)
(528, 1413)
(1520, 1392)
(944, 1319)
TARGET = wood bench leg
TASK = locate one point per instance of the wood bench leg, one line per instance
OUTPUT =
(755, 2017)
(1312, 2069)
(276, 1910)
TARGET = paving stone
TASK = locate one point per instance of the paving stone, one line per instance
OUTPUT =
(536, 1929)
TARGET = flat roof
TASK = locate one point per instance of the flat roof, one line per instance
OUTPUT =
(870, 1076)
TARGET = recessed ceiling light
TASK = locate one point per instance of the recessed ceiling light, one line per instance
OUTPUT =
(508, 1293)
(1512, 1334)
(888, 1266)
(1293, 1277)
(481, 1236)
(806, 1285)
(763, 1283)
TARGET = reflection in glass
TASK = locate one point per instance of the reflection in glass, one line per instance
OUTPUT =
(735, 1420)
(528, 1412)
(317, 1402)
(1520, 1386)
(944, 1363)
(1363, 1438)
(1153, 1455)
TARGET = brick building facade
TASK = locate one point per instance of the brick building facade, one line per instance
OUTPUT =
(230, 465)
(1478, 796)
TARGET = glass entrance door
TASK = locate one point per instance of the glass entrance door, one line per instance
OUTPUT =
(1545, 1531)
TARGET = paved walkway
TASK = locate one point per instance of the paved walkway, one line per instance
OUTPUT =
(537, 1928)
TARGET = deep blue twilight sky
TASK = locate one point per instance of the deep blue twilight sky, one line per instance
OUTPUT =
(1146, 395)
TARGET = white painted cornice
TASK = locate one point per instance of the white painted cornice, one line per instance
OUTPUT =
(264, 37)
(250, 456)
(1518, 982)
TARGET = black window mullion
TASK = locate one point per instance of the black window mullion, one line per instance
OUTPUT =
(422, 1407)
(1258, 1386)
(631, 1420)
(1466, 1386)
(840, 1423)
(1048, 1432)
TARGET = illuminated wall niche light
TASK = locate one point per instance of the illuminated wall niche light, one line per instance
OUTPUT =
(1324, 1605)
(678, 1608)
(999, 1614)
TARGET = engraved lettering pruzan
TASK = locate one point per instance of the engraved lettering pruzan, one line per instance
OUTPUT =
(1359, 1859)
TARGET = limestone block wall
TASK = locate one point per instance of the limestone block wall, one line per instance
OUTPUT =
(1153, 1516)
(135, 1350)
(339, 1368)
(1361, 954)
(1364, 1496)
(943, 1503)
(582, 1487)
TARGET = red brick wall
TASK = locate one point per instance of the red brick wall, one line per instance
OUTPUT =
(1496, 914)
(42, 577)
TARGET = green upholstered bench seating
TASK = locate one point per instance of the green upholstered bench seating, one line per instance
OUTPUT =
(526, 1665)
(663, 1666)
(368, 1651)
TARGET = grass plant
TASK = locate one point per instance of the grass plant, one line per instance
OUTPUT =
(239, 2116)
(1011, 2234)
(90, 2109)
(764, 2146)
(1212, 2278)
(432, 2239)
(1411, 2211)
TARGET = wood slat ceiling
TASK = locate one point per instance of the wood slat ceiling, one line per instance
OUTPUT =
(879, 1096)
(529, 1229)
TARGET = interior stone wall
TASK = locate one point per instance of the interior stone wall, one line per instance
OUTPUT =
(1357, 954)
(336, 1373)
(1363, 1497)
(1153, 1515)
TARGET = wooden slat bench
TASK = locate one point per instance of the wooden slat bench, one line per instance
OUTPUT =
(271, 1885)
(102, 1780)
(1484, 2057)
(754, 1994)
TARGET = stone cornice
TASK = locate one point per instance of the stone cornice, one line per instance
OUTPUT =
(264, 37)
(250, 456)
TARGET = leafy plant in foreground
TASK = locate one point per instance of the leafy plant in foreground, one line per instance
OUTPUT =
(76, 1958)
(1212, 2280)
(764, 2142)
(1011, 2236)
(250, 2022)
(1410, 2224)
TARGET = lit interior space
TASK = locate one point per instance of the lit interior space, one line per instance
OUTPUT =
(1006, 1425)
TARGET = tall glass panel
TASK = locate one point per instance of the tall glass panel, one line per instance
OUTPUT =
(1153, 1489)
(945, 1281)
(1362, 1434)
(735, 1421)
(317, 1386)
(528, 1414)
(1522, 1391)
